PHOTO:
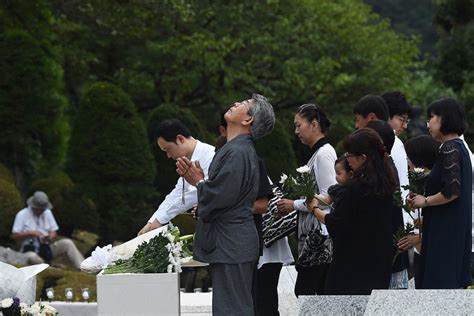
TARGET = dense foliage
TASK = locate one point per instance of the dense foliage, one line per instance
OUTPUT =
(111, 161)
(10, 204)
(204, 55)
(34, 138)
(455, 65)
(106, 66)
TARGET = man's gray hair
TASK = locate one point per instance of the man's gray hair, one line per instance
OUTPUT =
(263, 117)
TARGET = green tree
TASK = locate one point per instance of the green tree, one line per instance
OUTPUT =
(110, 159)
(204, 55)
(410, 18)
(455, 65)
(10, 203)
(456, 56)
(33, 137)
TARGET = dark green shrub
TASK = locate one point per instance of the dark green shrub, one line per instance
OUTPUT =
(34, 128)
(10, 203)
(110, 160)
(6, 174)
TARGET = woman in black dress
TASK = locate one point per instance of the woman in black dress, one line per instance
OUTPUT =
(361, 224)
(447, 218)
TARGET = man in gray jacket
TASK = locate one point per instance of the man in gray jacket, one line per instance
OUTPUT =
(225, 236)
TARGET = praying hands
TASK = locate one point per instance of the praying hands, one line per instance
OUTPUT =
(191, 172)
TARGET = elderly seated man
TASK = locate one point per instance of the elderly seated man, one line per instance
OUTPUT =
(36, 227)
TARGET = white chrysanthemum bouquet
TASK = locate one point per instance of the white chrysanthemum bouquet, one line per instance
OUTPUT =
(161, 254)
(301, 185)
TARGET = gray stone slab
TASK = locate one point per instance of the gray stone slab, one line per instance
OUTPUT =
(332, 304)
(421, 302)
(17, 258)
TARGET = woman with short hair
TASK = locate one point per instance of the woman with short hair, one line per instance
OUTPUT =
(447, 218)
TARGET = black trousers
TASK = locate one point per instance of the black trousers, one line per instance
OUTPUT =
(310, 280)
(267, 293)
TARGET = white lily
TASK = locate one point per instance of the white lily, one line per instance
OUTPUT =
(283, 178)
(419, 170)
(303, 169)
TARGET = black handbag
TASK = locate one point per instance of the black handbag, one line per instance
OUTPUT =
(316, 250)
(275, 227)
(45, 252)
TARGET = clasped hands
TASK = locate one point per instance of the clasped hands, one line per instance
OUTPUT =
(191, 172)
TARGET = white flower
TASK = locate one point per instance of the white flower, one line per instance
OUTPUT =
(169, 269)
(23, 306)
(170, 237)
(48, 309)
(419, 170)
(283, 178)
(303, 169)
(6, 303)
(34, 309)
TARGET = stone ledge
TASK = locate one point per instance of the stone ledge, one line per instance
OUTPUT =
(421, 302)
(332, 304)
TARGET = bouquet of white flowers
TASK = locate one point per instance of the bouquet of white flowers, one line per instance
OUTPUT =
(301, 185)
(13, 307)
(163, 253)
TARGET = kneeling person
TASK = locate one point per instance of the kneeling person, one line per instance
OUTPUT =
(35, 226)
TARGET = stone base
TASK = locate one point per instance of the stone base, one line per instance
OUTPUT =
(332, 304)
(421, 302)
(138, 294)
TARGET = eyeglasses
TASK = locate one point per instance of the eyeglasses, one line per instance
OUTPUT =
(403, 119)
(348, 155)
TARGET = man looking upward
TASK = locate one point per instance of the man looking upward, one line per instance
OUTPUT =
(226, 236)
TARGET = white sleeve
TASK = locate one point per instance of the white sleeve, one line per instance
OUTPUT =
(53, 226)
(173, 203)
(18, 224)
(300, 205)
(399, 157)
(469, 151)
(324, 170)
(400, 160)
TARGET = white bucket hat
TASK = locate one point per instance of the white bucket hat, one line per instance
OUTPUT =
(39, 200)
